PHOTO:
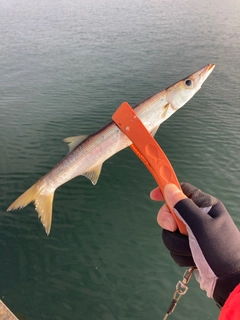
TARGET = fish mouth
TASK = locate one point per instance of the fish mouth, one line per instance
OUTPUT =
(206, 71)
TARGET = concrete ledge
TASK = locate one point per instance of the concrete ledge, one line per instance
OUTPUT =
(5, 313)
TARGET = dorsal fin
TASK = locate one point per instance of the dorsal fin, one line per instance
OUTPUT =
(74, 141)
(94, 174)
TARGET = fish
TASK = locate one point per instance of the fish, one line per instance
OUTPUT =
(88, 153)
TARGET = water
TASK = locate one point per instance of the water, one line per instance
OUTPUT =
(65, 68)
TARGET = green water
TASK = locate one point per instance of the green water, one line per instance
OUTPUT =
(65, 67)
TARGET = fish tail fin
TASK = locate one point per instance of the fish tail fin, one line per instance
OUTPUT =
(43, 204)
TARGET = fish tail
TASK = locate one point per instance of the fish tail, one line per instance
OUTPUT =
(43, 203)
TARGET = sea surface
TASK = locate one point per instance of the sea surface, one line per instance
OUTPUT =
(65, 67)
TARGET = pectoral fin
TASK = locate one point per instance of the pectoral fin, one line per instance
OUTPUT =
(153, 132)
(163, 115)
(74, 141)
(94, 174)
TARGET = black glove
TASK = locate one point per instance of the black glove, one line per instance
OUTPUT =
(212, 245)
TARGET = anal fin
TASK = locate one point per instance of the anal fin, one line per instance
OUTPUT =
(93, 174)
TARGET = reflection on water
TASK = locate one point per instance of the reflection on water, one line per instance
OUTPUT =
(65, 68)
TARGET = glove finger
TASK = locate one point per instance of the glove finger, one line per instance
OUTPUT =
(201, 199)
(181, 252)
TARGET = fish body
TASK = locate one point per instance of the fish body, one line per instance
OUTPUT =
(87, 153)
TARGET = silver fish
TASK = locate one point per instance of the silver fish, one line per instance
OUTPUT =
(87, 153)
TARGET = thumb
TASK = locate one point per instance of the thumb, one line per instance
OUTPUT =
(173, 195)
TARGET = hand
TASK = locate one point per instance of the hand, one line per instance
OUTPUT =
(213, 242)
(165, 218)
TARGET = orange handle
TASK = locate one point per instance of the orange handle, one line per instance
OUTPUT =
(148, 150)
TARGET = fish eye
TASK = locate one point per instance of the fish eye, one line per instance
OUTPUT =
(188, 82)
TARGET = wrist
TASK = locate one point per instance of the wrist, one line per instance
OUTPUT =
(224, 286)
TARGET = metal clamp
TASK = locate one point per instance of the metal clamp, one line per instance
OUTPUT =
(181, 289)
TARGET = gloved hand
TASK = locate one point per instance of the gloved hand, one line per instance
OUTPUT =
(213, 242)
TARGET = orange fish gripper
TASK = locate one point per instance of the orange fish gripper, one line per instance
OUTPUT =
(148, 150)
